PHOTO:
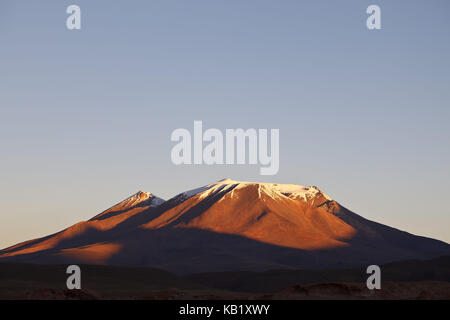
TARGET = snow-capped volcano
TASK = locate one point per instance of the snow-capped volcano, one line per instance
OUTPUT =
(229, 225)
(261, 211)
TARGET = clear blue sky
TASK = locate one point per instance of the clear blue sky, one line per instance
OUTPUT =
(86, 116)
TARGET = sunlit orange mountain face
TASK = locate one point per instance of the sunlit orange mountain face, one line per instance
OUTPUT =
(229, 225)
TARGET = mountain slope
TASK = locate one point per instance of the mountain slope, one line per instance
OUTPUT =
(268, 213)
(229, 225)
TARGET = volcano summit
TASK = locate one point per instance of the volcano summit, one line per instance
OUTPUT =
(229, 225)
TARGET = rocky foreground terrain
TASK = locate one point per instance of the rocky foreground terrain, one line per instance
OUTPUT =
(412, 279)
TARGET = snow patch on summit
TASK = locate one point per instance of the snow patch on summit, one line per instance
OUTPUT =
(140, 198)
(274, 190)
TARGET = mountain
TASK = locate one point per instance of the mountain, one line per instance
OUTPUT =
(229, 226)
